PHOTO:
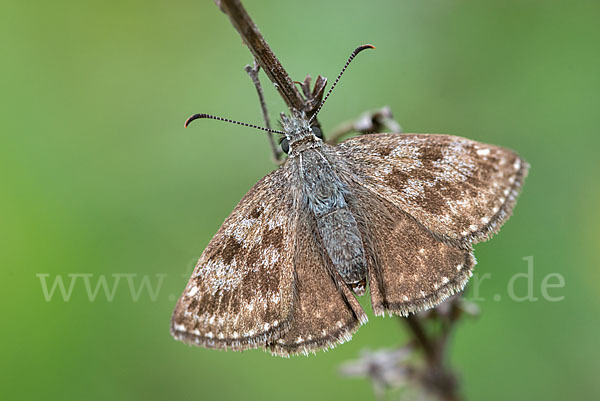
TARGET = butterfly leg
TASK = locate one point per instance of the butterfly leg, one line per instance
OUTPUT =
(253, 73)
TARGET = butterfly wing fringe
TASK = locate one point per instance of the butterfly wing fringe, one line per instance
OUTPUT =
(196, 338)
(505, 211)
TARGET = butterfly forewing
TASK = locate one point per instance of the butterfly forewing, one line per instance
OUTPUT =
(242, 289)
(459, 189)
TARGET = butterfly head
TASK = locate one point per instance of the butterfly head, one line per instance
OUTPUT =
(298, 135)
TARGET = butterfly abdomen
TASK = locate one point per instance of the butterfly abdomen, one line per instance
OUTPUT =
(342, 240)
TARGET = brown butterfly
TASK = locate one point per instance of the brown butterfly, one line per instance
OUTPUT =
(398, 212)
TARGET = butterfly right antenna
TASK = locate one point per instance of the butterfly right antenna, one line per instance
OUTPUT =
(354, 53)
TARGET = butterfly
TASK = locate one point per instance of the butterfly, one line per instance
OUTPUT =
(396, 214)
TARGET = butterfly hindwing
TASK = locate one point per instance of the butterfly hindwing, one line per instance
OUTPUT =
(460, 189)
(325, 312)
(409, 268)
(241, 292)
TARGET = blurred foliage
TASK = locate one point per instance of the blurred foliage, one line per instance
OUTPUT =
(98, 176)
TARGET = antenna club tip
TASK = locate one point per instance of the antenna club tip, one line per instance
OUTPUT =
(364, 47)
(190, 119)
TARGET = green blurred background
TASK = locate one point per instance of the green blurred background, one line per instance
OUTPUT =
(99, 177)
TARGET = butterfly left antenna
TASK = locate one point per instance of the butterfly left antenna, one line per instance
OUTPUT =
(197, 116)
(354, 53)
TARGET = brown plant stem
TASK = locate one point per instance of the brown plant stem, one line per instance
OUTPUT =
(414, 325)
(263, 55)
(437, 377)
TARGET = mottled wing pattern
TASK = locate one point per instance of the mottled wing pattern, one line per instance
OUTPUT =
(460, 189)
(242, 289)
(325, 312)
(409, 269)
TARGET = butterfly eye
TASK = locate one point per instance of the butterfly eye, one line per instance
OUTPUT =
(285, 146)
(317, 131)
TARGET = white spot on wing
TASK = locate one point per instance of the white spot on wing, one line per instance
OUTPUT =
(192, 291)
(221, 276)
(275, 298)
